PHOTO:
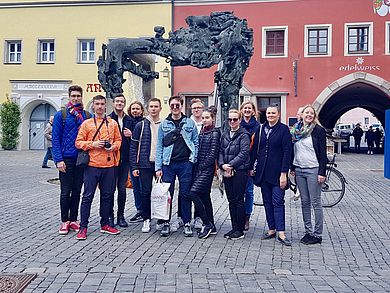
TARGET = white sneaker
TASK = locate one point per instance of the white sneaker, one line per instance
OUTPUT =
(159, 227)
(368, 152)
(146, 226)
(198, 224)
(174, 226)
(180, 222)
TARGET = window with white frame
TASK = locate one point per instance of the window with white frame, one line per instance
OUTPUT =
(358, 39)
(86, 52)
(46, 51)
(387, 38)
(275, 42)
(318, 40)
(13, 52)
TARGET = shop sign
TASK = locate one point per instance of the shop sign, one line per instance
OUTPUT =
(94, 88)
(359, 66)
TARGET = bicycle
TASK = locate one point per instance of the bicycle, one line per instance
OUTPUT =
(333, 189)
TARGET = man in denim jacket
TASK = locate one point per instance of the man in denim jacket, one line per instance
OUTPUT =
(177, 150)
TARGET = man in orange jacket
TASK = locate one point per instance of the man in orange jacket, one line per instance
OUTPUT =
(101, 138)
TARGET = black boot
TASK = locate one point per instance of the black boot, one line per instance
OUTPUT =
(122, 222)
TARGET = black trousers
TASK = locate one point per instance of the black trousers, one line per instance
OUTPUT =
(70, 183)
(121, 175)
(204, 206)
(146, 176)
(235, 191)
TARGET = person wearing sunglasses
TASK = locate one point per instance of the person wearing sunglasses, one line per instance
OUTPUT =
(176, 152)
(272, 152)
(234, 161)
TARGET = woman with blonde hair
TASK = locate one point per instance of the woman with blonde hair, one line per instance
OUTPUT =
(309, 169)
(234, 160)
(250, 124)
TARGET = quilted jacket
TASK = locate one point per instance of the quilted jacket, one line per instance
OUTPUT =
(207, 155)
(64, 135)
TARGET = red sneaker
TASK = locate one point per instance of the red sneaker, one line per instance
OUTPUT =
(82, 235)
(109, 230)
(75, 226)
(64, 228)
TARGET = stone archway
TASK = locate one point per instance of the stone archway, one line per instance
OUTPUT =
(359, 89)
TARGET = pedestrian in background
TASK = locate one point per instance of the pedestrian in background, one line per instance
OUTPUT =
(65, 127)
(370, 138)
(309, 169)
(378, 137)
(357, 134)
(250, 124)
(136, 113)
(48, 137)
(204, 168)
(234, 160)
(272, 150)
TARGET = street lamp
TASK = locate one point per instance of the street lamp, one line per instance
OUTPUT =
(166, 74)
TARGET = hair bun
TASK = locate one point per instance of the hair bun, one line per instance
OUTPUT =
(212, 109)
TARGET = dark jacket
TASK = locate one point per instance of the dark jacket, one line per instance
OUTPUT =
(251, 126)
(64, 135)
(273, 155)
(141, 142)
(318, 136)
(370, 136)
(207, 156)
(235, 151)
(134, 121)
(125, 146)
(357, 133)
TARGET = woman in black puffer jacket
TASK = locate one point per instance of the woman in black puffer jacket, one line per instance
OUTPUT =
(209, 138)
(234, 160)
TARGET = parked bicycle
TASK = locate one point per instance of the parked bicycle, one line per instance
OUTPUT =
(333, 189)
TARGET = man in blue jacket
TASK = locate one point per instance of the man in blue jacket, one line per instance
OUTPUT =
(177, 150)
(65, 128)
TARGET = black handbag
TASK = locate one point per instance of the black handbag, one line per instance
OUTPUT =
(172, 136)
(83, 156)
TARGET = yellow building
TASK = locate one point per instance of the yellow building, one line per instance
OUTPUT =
(49, 45)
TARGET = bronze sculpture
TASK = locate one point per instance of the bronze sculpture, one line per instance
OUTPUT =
(220, 38)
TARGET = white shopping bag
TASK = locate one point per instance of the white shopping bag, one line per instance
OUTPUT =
(160, 200)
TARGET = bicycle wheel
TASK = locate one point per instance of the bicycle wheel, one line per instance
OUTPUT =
(333, 188)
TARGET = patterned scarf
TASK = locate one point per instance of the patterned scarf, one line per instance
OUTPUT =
(299, 130)
(76, 110)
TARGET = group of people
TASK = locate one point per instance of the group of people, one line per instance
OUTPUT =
(193, 150)
(370, 138)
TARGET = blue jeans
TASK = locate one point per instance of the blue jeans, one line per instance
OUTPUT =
(249, 196)
(183, 170)
(48, 156)
(93, 176)
(137, 192)
(273, 199)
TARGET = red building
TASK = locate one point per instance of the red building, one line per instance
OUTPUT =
(332, 54)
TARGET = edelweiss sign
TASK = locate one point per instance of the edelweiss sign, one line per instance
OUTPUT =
(359, 66)
(381, 7)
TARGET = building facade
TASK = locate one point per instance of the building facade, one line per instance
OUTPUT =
(49, 45)
(316, 52)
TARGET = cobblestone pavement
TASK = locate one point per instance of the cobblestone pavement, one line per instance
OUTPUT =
(353, 257)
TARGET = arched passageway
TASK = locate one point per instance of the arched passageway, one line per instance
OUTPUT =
(356, 90)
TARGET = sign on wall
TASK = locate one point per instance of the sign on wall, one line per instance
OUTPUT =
(381, 7)
(360, 65)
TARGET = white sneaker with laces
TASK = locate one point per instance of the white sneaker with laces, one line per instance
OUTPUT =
(146, 226)
(198, 224)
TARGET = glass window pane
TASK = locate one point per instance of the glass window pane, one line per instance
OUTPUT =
(312, 33)
(12, 47)
(353, 40)
(352, 32)
(323, 33)
(92, 46)
(12, 57)
(352, 47)
(51, 56)
(312, 41)
(323, 49)
(44, 56)
(84, 46)
(84, 56)
(323, 41)
(19, 47)
(51, 46)
(312, 49)
(275, 101)
(44, 46)
(91, 56)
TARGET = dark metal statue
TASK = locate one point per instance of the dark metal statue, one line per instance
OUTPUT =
(220, 38)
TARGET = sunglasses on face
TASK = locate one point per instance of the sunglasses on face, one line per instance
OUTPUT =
(173, 106)
(233, 119)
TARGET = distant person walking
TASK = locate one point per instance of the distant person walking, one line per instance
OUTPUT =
(357, 134)
(378, 136)
(370, 138)
(48, 137)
